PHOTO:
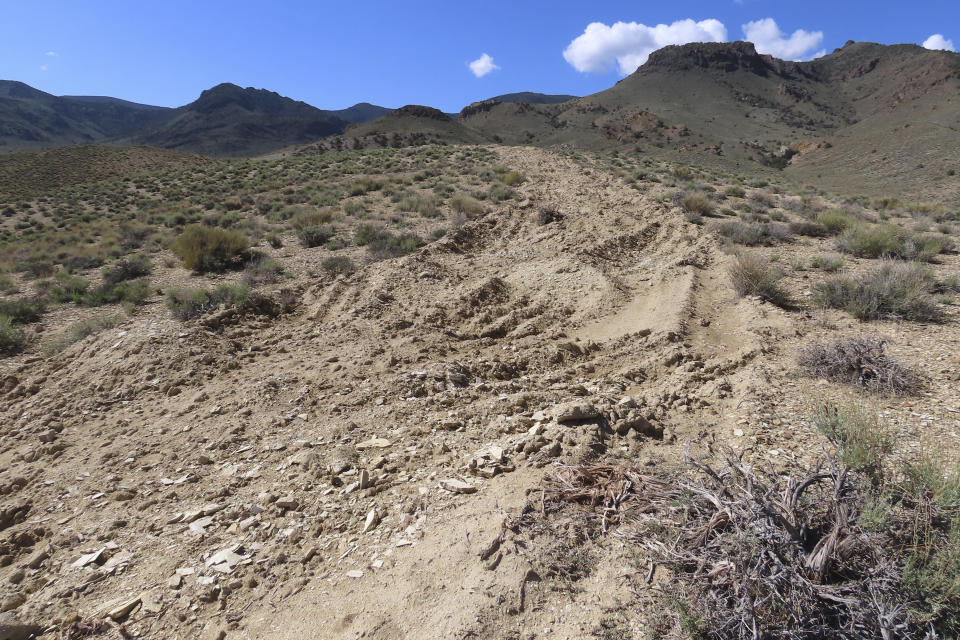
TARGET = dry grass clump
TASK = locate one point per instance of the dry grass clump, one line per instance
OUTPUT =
(861, 362)
(697, 203)
(79, 331)
(466, 205)
(312, 218)
(754, 276)
(263, 270)
(894, 290)
(838, 550)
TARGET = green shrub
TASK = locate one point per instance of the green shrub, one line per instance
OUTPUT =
(753, 276)
(203, 249)
(338, 265)
(315, 236)
(11, 337)
(274, 240)
(128, 269)
(894, 290)
(862, 441)
(22, 311)
(888, 241)
(383, 243)
(810, 229)
(735, 192)
(191, 303)
(835, 221)
(827, 263)
(697, 203)
(130, 291)
(67, 288)
(511, 178)
(7, 285)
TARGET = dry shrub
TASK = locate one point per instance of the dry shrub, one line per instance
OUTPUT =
(754, 276)
(861, 362)
(814, 552)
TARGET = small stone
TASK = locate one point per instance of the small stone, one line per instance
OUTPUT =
(457, 486)
(364, 479)
(371, 521)
(14, 601)
(288, 502)
(374, 443)
(119, 609)
(17, 576)
(355, 573)
(175, 581)
(575, 411)
(13, 629)
(213, 632)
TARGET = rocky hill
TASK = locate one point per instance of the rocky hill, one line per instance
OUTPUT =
(225, 120)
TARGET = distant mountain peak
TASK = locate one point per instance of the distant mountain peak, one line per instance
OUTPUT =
(718, 56)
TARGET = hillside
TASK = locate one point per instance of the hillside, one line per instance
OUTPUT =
(228, 120)
(411, 125)
(225, 120)
(31, 173)
(531, 97)
(840, 121)
(32, 119)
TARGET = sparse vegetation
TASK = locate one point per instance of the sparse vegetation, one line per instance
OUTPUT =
(889, 241)
(753, 234)
(79, 331)
(894, 290)
(187, 304)
(11, 336)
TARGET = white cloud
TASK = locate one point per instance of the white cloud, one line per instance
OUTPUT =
(52, 54)
(43, 67)
(629, 43)
(482, 66)
(937, 41)
(767, 38)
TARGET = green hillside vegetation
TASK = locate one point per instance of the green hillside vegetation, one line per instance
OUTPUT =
(30, 173)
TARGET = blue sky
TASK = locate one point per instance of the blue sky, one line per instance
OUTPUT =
(334, 54)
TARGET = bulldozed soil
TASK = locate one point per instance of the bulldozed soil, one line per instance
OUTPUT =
(348, 469)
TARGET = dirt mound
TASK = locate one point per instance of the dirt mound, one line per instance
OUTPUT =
(350, 466)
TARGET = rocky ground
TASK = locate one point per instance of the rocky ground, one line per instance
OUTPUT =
(346, 470)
